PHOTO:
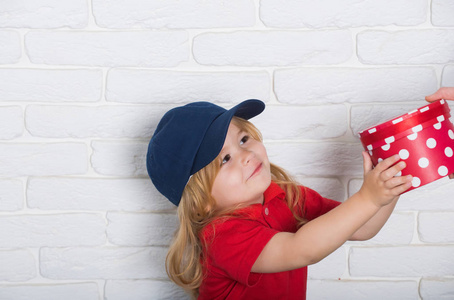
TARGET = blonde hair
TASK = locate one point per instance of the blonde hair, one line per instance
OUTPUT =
(198, 208)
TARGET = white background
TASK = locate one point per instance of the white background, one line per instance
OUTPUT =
(83, 84)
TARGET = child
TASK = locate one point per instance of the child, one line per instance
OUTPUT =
(247, 230)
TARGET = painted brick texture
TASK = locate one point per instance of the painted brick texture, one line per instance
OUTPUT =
(83, 84)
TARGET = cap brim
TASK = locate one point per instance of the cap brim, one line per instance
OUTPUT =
(214, 138)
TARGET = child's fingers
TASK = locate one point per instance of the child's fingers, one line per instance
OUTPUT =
(392, 171)
(405, 184)
(367, 162)
(385, 164)
(397, 181)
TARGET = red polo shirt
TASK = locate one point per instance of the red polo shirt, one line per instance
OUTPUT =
(234, 244)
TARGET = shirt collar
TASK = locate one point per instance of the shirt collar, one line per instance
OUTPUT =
(272, 192)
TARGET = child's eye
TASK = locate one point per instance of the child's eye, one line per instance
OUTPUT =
(244, 140)
(225, 159)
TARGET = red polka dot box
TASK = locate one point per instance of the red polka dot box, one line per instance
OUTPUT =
(423, 138)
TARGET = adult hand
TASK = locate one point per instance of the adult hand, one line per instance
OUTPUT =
(446, 93)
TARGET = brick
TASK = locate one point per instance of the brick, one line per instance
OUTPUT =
(103, 263)
(101, 121)
(72, 291)
(143, 290)
(294, 14)
(316, 122)
(398, 230)
(149, 86)
(44, 14)
(108, 49)
(429, 46)
(272, 48)
(50, 85)
(331, 267)
(448, 76)
(435, 196)
(354, 185)
(52, 230)
(17, 265)
(436, 227)
(405, 261)
(30, 159)
(11, 49)
(119, 158)
(442, 12)
(11, 195)
(11, 122)
(365, 116)
(331, 188)
(437, 288)
(307, 86)
(174, 14)
(126, 229)
(317, 159)
(358, 289)
(95, 194)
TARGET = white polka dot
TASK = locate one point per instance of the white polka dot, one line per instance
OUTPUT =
(451, 134)
(398, 174)
(448, 152)
(404, 154)
(412, 137)
(423, 162)
(417, 128)
(416, 182)
(442, 101)
(386, 147)
(380, 160)
(390, 139)
(437, 126)
(440, 118)
(431, 143)
(443, 171)
(426, 108)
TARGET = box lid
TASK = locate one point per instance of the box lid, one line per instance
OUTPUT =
(405, 125)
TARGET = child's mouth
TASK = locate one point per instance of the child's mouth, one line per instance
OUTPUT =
(256, 171)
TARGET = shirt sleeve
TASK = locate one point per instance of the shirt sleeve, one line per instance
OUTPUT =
(236, 245)
(315, 205)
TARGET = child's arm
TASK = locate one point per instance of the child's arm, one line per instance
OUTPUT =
(373, 226)
(321, 236)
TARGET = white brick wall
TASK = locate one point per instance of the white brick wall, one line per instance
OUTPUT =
(83, 84)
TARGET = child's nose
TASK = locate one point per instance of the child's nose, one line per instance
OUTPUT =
(247, 156)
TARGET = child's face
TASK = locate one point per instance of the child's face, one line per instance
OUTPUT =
(245, 170)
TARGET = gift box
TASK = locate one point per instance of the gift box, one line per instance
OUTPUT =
(423, 138)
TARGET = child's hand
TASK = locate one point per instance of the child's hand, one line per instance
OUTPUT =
(380, 184)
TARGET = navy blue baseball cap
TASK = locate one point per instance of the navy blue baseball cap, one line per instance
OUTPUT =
(187, 139)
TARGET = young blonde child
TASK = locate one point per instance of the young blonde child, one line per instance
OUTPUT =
(247, 230)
